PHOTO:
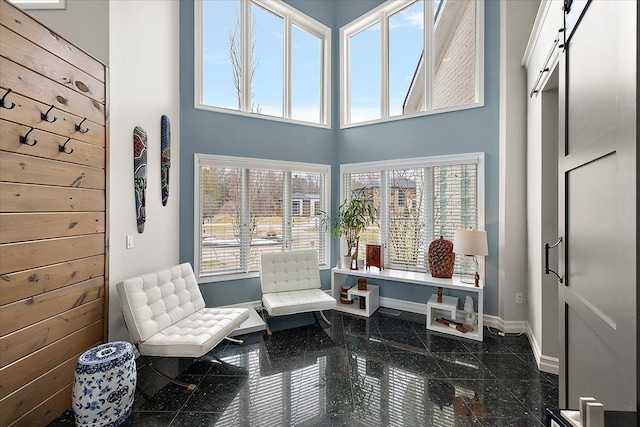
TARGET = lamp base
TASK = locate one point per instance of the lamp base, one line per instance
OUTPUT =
(469, 269)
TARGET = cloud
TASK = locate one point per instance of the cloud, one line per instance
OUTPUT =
(409, 17)
(413, 18)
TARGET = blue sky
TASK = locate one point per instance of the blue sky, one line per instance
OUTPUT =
(221, 18)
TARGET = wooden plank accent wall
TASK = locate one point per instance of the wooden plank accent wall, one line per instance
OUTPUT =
(53, 217)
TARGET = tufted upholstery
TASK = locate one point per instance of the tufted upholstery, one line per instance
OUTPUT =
(166, 314)
(289, 271)
(290, 283)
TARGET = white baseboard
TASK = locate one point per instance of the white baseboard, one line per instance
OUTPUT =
(545, 363)
(506, 326)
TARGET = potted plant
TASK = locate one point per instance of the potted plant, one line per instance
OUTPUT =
(353, 216)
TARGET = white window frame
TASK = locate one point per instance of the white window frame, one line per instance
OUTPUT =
(290, 16)
(381, 14)
(422, 162)
(250, 163)
(40, 4)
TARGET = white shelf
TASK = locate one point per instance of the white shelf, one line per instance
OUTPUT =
(413, 277)
(371, 295)
(339, 278)
(449, 305)
(438, 327)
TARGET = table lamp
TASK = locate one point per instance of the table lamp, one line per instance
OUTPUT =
(470, 243)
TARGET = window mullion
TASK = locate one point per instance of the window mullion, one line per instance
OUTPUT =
(427, 57)
(322, 241)
(245, 220)
(287, 201)
(384, 213)
(427, 202)
(429, 208)
(325, 81)
(286, 67)
(384, 65)
(246, 53)
(345, 69)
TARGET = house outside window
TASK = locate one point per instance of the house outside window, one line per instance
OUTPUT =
(245, 207)
(262, 58)
(418, 201)
(407, 58)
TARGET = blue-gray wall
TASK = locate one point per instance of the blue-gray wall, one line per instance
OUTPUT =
(464, 131)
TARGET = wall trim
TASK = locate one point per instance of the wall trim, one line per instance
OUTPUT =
(545, 363)
(545, 5)
(506, 326)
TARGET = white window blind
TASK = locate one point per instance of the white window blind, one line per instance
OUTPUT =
(247, 207)
(366, 185)
(417, 204)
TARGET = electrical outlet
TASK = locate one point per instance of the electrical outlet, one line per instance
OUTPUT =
(519, 298)
(129, 241)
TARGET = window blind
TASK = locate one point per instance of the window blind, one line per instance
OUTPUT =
(416, 205)
(248, 210)
(220, 201)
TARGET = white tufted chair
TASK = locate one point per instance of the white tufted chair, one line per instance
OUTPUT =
(166, 316)
(290, 284)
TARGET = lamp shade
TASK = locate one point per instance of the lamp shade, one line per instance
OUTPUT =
(470, 242)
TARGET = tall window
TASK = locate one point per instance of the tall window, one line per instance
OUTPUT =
(263, 58)
(412, 57)
(245, 207)
(419, 200)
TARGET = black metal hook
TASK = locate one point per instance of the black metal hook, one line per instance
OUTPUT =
(45, 116)
(3, 103)
(79, 127)
(25, 139)
(63, 148)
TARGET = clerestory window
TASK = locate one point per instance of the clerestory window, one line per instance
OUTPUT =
(412, 57)
(262, 58)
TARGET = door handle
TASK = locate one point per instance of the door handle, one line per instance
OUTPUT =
(547, 270)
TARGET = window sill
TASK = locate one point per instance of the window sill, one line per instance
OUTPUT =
(261, 116)
(412, 115)
(237, 276)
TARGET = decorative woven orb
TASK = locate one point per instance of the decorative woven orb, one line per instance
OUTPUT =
(441, 258)
(104, 385)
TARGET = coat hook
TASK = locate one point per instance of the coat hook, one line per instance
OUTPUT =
(25, 139)
(45, 116)
(79, 127)
(3, 103)
(63, 148)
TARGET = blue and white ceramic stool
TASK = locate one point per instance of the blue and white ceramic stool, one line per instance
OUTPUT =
(104, 385)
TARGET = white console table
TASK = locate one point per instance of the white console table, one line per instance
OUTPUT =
(339, 279)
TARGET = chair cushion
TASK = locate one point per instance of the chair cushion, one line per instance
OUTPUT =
(196, 334)
(292, 302)
(155, 301)
(289, 271)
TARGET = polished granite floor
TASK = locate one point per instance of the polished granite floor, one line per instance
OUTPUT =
(386, 370)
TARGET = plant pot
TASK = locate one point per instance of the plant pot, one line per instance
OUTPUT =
(346, 262)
